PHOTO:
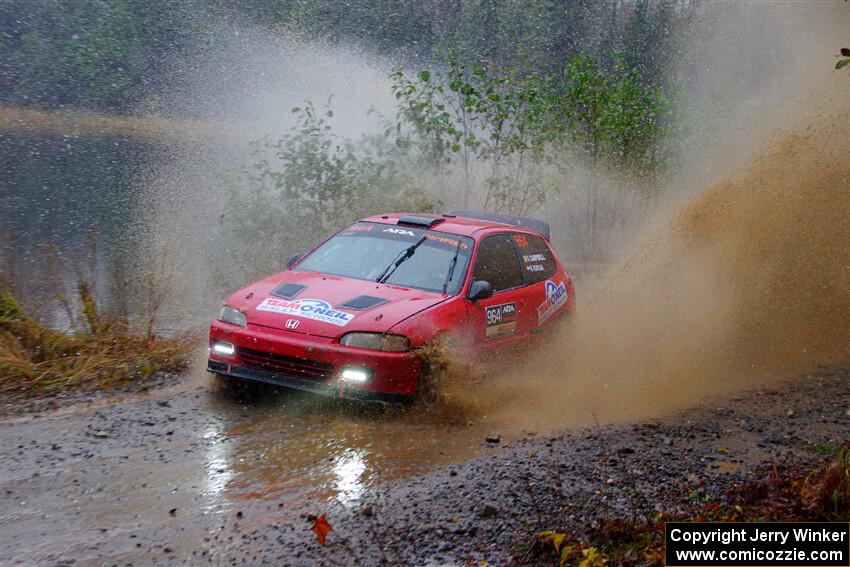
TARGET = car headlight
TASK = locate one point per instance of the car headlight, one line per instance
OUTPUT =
(376, 341)
(233, 316)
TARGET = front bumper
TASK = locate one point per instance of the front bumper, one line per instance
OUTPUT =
(311, 363)
(325, 389)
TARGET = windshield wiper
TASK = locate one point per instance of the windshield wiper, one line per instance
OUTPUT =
(401, 258)
(451, 268)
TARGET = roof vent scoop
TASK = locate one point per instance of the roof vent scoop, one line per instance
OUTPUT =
(288, 290)
(417, 220)
(362, 302)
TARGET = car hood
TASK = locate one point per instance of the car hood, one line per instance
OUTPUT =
(329, 306)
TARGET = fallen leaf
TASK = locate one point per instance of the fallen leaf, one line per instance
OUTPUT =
(557, 541)
(593, 558)
(555, 538)
(321, 527)
(566, 552)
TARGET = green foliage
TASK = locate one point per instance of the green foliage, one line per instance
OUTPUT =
(616, 115)
(823, 449)
(10, 309)
(91, 53)
(37, 362)
(485, 137)
(841, 63)
(485, 122)
(109, 53)
(514, 126)
(424, 120)
(309, 183)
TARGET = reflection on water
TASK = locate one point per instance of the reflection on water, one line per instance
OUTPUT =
(218, 469)
(291, 448)
(68, 194)
(349, 469)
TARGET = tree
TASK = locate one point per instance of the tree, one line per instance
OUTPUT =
(91, 53)
(483, 124)
(617, 120)
(489, 138)
(109, 54)
(309, 183)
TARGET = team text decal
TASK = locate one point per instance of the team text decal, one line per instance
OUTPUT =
(357, 228)
(315, 309)
(556, 297)
(399, 231)
(501, 320)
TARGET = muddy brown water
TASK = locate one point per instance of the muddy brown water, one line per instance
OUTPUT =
(89, 483)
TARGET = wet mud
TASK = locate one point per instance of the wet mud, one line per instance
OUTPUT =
(194, 475)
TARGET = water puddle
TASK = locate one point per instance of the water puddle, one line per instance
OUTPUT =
(289, 447)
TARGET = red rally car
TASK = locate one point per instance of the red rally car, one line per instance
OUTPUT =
(347, 318)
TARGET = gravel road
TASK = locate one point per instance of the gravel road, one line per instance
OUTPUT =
(189, 478)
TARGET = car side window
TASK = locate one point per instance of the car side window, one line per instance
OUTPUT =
(497, 263)
(538, 262)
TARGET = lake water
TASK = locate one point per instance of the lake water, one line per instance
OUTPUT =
(69, 205)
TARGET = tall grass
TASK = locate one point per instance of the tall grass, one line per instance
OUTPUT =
(37, 362)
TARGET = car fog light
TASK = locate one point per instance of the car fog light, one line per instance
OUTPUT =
(224, 349)
(355, 375)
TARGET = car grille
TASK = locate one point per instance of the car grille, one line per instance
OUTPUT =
(286, 365)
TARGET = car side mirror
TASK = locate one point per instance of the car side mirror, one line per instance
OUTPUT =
(480, 290)
(293, 259)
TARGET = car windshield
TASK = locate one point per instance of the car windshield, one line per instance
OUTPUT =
(370, 251)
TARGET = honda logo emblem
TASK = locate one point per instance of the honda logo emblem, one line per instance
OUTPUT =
(292, 324)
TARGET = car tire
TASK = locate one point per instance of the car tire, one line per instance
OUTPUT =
(436, 363)
(428, 389)
(233, 388)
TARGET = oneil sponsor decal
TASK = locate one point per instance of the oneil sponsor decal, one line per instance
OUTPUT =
(315, 309)
(556, 297)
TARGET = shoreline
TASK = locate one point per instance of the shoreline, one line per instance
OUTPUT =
(26, 121)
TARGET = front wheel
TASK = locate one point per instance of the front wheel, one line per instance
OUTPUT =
(233, 388)
(428, 389)
(439, 364)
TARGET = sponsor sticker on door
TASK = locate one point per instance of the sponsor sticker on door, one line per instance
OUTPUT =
(556, 297)
(501, 320)
(314, 309)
